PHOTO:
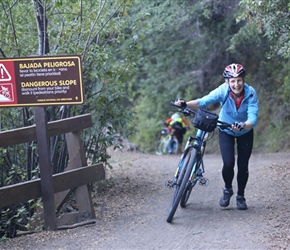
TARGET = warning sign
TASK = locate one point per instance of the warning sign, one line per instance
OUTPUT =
(4, 74)
(41, 81)
(6, 92)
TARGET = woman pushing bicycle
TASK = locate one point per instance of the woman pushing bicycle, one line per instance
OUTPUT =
(239, 106)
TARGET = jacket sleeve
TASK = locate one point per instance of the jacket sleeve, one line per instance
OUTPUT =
(216, 95)
(253, 107)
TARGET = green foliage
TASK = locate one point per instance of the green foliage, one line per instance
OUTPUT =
(184, 55)
(101, 33)
(271, 18)
(285, 89)
(16, 217)
(267, 26)
(14, 38)
(181, 57)
(139, 55)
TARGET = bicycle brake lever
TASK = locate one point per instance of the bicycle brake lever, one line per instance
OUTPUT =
(223, 126)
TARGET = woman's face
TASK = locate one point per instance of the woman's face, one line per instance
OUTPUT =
(236, 84)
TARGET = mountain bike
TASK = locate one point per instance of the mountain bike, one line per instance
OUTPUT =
(167, 144)
(191, 168)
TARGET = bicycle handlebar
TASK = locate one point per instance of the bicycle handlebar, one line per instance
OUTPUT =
(189, 112)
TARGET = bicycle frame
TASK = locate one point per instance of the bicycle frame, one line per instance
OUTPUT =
(198, 143)
(186, 175)
(190, 168)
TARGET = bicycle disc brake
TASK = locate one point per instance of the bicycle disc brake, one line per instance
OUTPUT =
(171, 184)
(203, 181)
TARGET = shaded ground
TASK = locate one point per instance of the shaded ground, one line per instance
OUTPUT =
(131, 210)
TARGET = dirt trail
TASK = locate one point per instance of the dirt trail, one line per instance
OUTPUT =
(131, 213)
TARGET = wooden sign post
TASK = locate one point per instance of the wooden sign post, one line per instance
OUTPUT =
(42, 81)
(46, 182)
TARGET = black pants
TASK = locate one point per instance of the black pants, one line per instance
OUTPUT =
(244, 150)
(179, 136)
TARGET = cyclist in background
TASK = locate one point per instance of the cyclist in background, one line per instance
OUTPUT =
(178, 125)
(239, 106)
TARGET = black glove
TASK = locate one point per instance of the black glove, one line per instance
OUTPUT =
(183, 103)
(239, 125)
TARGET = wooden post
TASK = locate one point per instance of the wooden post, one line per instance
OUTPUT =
(46, 181)
(77, 158)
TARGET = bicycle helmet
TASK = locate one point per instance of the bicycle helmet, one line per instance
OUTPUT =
(234, 70)
(175, 116)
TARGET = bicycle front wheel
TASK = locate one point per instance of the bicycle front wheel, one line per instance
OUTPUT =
(158, 150)
(181, 183)
(187, 192)
(163, 145)
(189, 186)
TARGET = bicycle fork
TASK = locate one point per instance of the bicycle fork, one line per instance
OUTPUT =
(197, 176)
(194, 176)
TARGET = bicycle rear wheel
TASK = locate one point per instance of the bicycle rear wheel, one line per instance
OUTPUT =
(174, 145)
(158, 150)
(181, 183)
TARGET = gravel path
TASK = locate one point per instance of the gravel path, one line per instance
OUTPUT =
(131, 209)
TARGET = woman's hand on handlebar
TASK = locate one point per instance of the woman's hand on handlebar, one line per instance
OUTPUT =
(180, 102)
(181, 105)
(238, 126)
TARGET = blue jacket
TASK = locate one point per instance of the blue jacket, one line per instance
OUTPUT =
(248, 110)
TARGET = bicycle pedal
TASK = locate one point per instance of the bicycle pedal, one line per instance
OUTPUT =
(203, 181)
